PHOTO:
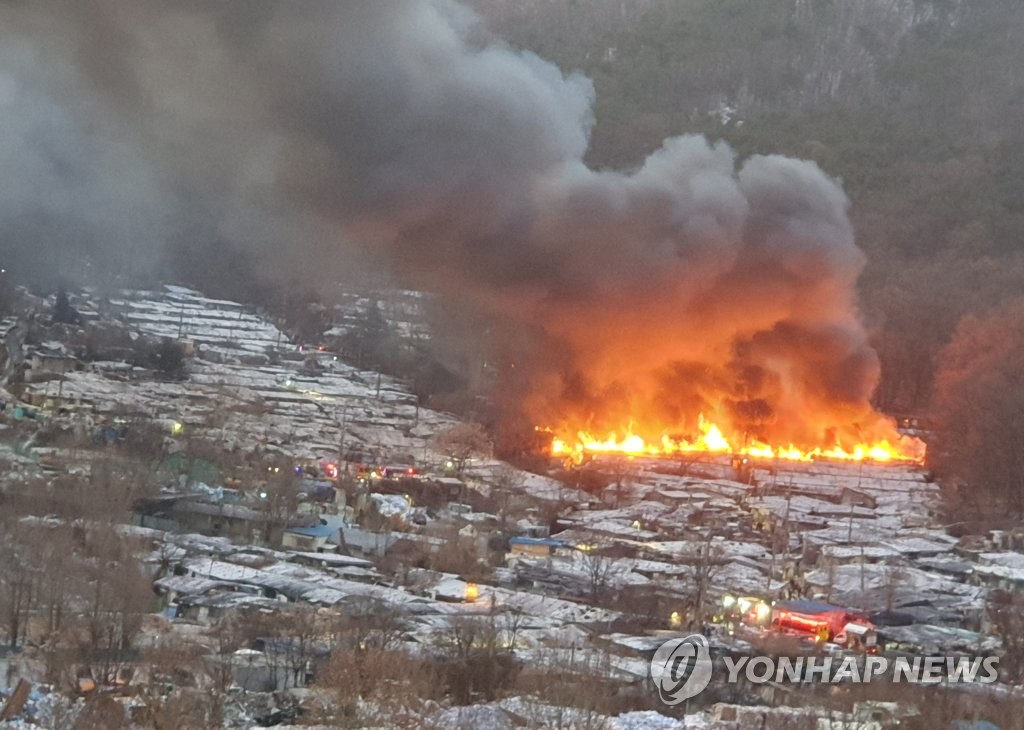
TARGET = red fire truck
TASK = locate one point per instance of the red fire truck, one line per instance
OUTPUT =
(821, 620)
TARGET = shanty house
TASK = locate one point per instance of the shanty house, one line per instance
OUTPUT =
(310, 539)
(534, 547)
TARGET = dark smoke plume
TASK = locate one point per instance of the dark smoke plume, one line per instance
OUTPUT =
(307, 131)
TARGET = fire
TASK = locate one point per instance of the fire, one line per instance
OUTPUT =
(710, 439)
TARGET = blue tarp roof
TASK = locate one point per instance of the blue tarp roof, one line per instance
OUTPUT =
(539, 541)
(315, 531)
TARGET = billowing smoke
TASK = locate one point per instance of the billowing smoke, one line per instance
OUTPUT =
(306, 131)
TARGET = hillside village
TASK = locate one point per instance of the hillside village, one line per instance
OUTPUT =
(303, 526)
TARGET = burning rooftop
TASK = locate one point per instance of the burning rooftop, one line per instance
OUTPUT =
(710, 439)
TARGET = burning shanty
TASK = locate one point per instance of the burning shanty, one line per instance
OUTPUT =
(710, 440)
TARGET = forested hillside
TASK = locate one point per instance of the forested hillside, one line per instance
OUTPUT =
(916, 106)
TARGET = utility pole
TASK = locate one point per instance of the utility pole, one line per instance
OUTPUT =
(863, 591)
(60, 388)
(778, 532)
(181, 320)
(703, 580)
(341, 440)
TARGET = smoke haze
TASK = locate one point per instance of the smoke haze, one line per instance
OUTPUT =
(310, 133)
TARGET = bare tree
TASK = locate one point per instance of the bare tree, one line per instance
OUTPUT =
(506, 486)
(704, 562)
(371, 622)
(978, 419)
(116, 596)
(101, 712)
(572, 692)
(19, 580)
(477, 662)
(372, 678)
(183, 708)
(514, 619)
(457, 555)
(623, 476)
(462, 442)
(599, 569)
(280, 497)
(830, 577)
(895, 578)
(226, 636)
(1006, 612)
(56, 585)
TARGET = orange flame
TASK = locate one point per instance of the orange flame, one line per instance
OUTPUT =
(578, 444)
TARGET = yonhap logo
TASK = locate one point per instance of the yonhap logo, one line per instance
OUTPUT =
(681, 668)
